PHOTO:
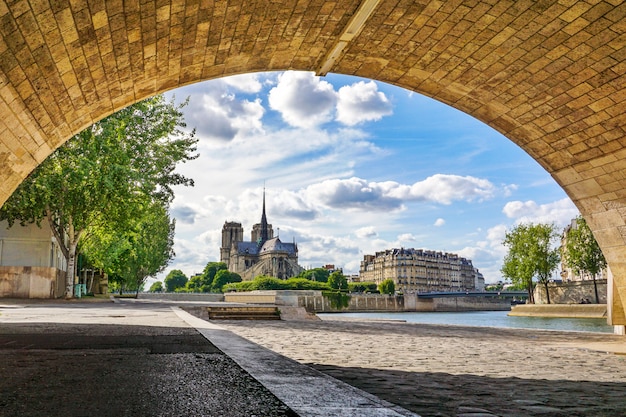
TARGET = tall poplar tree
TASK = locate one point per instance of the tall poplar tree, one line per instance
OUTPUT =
(106, 174)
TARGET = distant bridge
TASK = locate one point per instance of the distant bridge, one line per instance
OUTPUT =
(491, 294)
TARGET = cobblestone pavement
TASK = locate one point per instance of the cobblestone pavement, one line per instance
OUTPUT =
(96, 361)
(459, 371)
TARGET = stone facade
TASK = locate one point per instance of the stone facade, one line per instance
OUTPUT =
(548, 75)
(264, 254)
(418, 270)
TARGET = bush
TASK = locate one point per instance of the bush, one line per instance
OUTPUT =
(271, 283)
(368, 287)
(387, 287)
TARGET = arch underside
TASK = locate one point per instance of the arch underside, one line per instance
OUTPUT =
(549, 76)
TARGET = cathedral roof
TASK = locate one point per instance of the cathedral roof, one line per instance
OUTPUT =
(275, 245)
(250, 248)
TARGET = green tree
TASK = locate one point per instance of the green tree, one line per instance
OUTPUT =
(156, 287)
(210, 271)
(175, 279)
(148, 247)
(582, 252)
(223, 277)
(128, 257)
(204, 282)
(106, 174)
(387, 287)
(338, 281)
(531, 253)
(316, 274)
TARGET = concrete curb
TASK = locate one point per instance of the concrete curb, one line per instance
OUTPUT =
(306, 391)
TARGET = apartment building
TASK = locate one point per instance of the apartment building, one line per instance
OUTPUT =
(419, 270)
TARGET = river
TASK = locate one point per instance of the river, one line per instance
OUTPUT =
(486, 319)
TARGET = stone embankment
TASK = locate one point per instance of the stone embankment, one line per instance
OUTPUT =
(316, 302)
(579, 311)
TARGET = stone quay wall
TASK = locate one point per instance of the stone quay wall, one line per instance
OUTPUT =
(31, 282)
(571, 292)
(315, 301)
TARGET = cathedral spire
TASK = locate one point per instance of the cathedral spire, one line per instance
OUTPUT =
(264, 228)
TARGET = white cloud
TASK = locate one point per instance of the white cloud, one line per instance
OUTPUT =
(559, 212)
(247, 83)
(219, 115)
(354, 193)
(366, 232)
(357, 193)
(303, 99)
(444, 189)
(406, 238)
(439, 222)
(361, 102)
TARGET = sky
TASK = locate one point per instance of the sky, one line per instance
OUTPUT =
(350, 167)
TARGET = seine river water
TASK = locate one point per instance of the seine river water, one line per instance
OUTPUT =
(487, 319)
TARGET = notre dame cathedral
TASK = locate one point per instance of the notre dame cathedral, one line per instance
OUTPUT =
(263, 255)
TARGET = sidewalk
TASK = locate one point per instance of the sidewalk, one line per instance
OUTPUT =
(149, 359)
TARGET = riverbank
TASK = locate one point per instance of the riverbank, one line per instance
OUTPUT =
(579, 311)
(438, 370)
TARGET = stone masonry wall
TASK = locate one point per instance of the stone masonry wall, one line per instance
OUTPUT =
(571, 292)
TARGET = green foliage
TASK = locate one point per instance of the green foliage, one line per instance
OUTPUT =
(338, 281)
(366, 287)
(582, 252)
(149, 242)
(495, 287)
(204, 282)
(271, 283)
(156, 287)
(531, 254)
(104, 178)
(315, 274)
(223, 277)
(387, 287)
(175, 279)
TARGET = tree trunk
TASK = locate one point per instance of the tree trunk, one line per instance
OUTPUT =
(93, 271)
(69, 274)
(531, 297)
(71, 265)
(595, 288)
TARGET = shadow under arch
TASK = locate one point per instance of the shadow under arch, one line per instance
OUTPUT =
(546, 75)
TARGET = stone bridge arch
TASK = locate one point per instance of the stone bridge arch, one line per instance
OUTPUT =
(550, 75)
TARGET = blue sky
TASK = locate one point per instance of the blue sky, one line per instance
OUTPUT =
(352, 166)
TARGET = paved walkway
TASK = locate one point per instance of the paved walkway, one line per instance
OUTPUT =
(149, 359)
(460, 371)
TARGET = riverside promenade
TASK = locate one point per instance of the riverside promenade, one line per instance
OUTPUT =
(149, 358)
(102, 359)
